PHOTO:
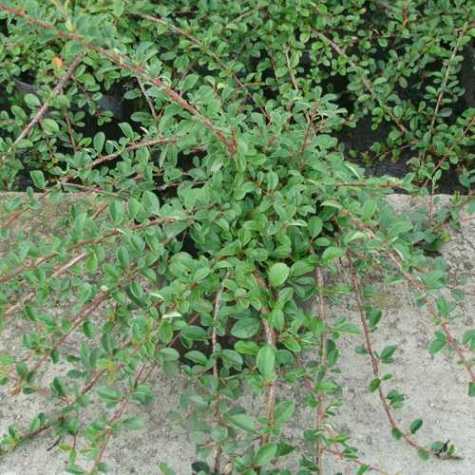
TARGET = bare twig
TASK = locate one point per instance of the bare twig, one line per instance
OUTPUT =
(217, 306)
(374, 359)
(320, 410)
(271, 386)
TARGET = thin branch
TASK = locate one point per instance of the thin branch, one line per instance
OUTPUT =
(147, 99)
(61, 270)
(271, 387)
(374, 360)
(132, 147)
(320, 410)
(443, 85)
(118, 413)
(82, 315)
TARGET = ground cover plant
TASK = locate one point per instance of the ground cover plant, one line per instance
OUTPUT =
(213, 138)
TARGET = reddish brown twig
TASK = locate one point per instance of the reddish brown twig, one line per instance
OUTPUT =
(443, 85)
(116, 416)
(320, 410)
(271, 386)
(374, 360)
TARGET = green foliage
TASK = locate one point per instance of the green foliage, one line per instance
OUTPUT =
(223, 202)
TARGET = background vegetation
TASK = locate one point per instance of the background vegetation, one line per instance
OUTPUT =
(225, 143)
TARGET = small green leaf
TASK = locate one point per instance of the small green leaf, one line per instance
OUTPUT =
(58, 387)
(98, 142)
(127, 130)
(189, 82)
(169, 354)
(197, 357)
(246, 327)
(50, 126)
(387, 354)
(38, 179)
(331, 253)
(277, 319)
(194, 332)
(265, 361)
(243, 421)
(233, 358)
(415, 425)
(116, 209)
(150, 202)
(396, 433)
(471, 389)
(134, 207)
(109, 395)
(374, 384)
(247, 347)
(315, 226)
(438, 343)
(265, 454)
(32, 101)
(362, 470)
(278, 274)
(423, 454)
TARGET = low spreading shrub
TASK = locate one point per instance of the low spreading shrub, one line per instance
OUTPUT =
(221, 202)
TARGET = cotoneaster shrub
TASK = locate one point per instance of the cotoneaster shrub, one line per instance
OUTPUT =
(400, 68)
(224, 204)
